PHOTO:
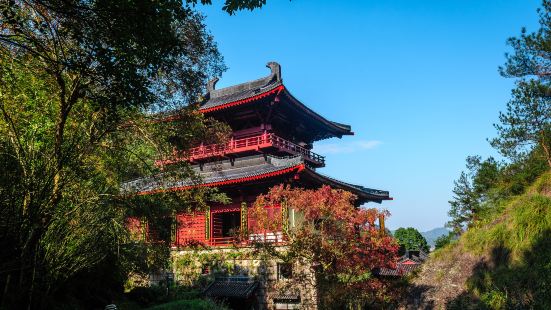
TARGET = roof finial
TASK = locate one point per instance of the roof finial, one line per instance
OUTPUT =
(276, 69)
(212, 84)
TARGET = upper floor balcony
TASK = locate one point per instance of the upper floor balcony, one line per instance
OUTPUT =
(260, 143)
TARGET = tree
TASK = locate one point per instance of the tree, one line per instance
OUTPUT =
(471, 191)
(444, 240)
(410, 239)
(527, 121)
(232, 6)
(336, 241)
(79, 81)
(484, 174)
(464, 205)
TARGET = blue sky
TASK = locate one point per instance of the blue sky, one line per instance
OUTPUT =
(416, 80)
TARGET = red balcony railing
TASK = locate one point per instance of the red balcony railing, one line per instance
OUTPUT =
(268, 237)
(222, 241)
(296, 149)
(255, 143)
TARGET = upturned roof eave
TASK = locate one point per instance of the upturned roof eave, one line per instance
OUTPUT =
(343, 129)
(363, 194)
(338, 129)
(299, 167)
(283, 171)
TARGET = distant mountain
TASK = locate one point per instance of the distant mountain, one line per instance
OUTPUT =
(433, 234)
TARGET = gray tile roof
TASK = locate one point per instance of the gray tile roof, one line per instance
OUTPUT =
(344, 185)
(415, 256)
(256, 166)
(286, 296)
(213, 173)
(400, 270)
(406, 264)
(230, 289)
(218, 97)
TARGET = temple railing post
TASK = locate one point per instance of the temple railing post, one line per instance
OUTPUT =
(208, 225)
(244, 222)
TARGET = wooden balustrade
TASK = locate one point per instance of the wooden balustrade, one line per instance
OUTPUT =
(268, 237)
(222, 241)
(255, 143)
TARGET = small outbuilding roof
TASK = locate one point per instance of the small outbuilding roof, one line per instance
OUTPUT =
(406, 264)
(230, 289)
(400, 270)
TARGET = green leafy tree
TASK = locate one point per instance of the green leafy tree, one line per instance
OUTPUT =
(526, 124)
(527, 120)
(471, 191)
(411, 239)
(79, 81)
(444, 240)
(464, 205)
(232, 6)
(516, 176)
(484, 173)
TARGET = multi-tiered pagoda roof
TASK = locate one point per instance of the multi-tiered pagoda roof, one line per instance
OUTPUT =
(272, 141)
(272, 138)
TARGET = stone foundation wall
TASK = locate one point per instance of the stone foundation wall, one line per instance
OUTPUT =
(190, 266)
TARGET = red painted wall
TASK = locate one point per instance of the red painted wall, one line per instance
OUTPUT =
(190, 227)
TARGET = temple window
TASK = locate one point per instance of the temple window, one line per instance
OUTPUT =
(226, 224)
(284, 271)
(295, 218)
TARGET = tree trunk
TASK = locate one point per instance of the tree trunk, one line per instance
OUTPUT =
(6, 289)
(547, 153)
(33, 279)
(64, 108)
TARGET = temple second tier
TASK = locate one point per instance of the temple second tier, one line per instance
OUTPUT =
(268, 143)
(264, 118)
(254, 175)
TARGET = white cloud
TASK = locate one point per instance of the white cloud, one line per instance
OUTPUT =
(346, 147)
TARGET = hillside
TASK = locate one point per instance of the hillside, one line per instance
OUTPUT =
(502, 262)
(433, 234)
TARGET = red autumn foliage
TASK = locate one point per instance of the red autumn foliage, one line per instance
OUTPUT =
(341, 242)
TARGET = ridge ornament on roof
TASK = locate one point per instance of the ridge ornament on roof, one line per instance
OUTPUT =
(256, 110)
(274, 77)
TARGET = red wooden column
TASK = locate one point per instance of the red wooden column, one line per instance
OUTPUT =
(208, 225)
(244, 222)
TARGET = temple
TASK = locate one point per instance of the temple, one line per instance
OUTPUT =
(271, 143)
(273, 135)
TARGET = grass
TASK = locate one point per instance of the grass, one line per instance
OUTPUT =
(522, 222)
(515, 241)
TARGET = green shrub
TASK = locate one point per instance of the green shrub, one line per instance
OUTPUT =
(444, 240)
(146, 296)
(193, 304)
(494, 299)
(182, 292)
